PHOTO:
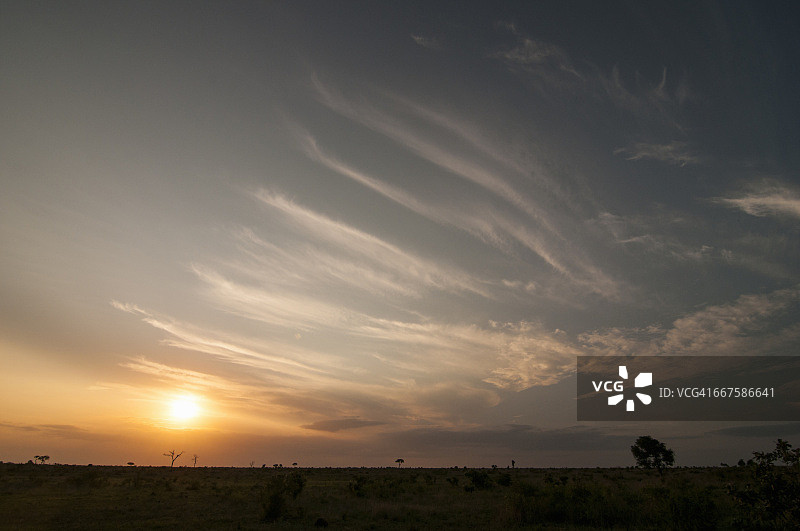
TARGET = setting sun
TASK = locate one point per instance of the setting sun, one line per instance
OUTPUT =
(184, 408)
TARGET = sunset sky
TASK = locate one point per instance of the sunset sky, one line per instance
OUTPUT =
(342, 233)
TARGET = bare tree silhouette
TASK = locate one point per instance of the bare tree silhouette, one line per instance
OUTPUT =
(194, 460)
(173, 456)
(399, 462)
(42, 458)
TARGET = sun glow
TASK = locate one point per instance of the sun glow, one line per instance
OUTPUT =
(184, 408)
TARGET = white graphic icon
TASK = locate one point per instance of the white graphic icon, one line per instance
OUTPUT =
(643, 379)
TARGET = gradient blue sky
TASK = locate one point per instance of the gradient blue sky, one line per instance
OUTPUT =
(357, 231)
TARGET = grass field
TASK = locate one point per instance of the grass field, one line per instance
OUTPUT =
(96, 497)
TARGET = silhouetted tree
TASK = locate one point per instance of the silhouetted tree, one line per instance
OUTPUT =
(650, 453)
(399, 462)
(173, 456)
(513, 463)
(131, 463)
(294, 464)
(42, 458)
(194, 460)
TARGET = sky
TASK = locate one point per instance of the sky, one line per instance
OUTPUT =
(342, 233)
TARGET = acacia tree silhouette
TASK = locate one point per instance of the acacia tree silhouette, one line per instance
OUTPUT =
(42, 458)
(651, 453)
(399, 462)
(172, 455)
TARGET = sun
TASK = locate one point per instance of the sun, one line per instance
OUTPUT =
(184, 408)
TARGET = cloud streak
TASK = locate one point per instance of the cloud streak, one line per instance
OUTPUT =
(431, 43)
(534, 225)
(675, 153)
(340, 424)
(362, 248)
(751, 325)
(553, 72)
(493, 228)
(534, 56)
(455, 164)
(766, 198)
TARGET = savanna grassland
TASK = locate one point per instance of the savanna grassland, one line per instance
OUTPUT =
(104, 497)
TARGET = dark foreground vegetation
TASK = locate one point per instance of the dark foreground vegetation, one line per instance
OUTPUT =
(96, 497)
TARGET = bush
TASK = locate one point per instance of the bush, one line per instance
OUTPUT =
(480, 479)
(357, 486)
(695, 509)
(772, 500)
(593, 505)
(274, 504)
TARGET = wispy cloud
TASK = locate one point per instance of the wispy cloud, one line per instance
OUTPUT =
(61, 431)
(533, 356)
(751, 325)
(490, 227)
(675, 153)
(661, 234)
(519, 156)
(364, 248)
(536, 225)
(531, 54)
(395, 371)
(394, 193)
(767, 197)
(431, 43)
(650, 101)
(234, 349)
(553, 71)
(186, 378)
(458, 164)
(341, 424)
(685, 238)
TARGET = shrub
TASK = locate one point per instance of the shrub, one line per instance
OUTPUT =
(694, 508)
(358, 486)
(480, 479)
(772, 500)
(274, 504)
